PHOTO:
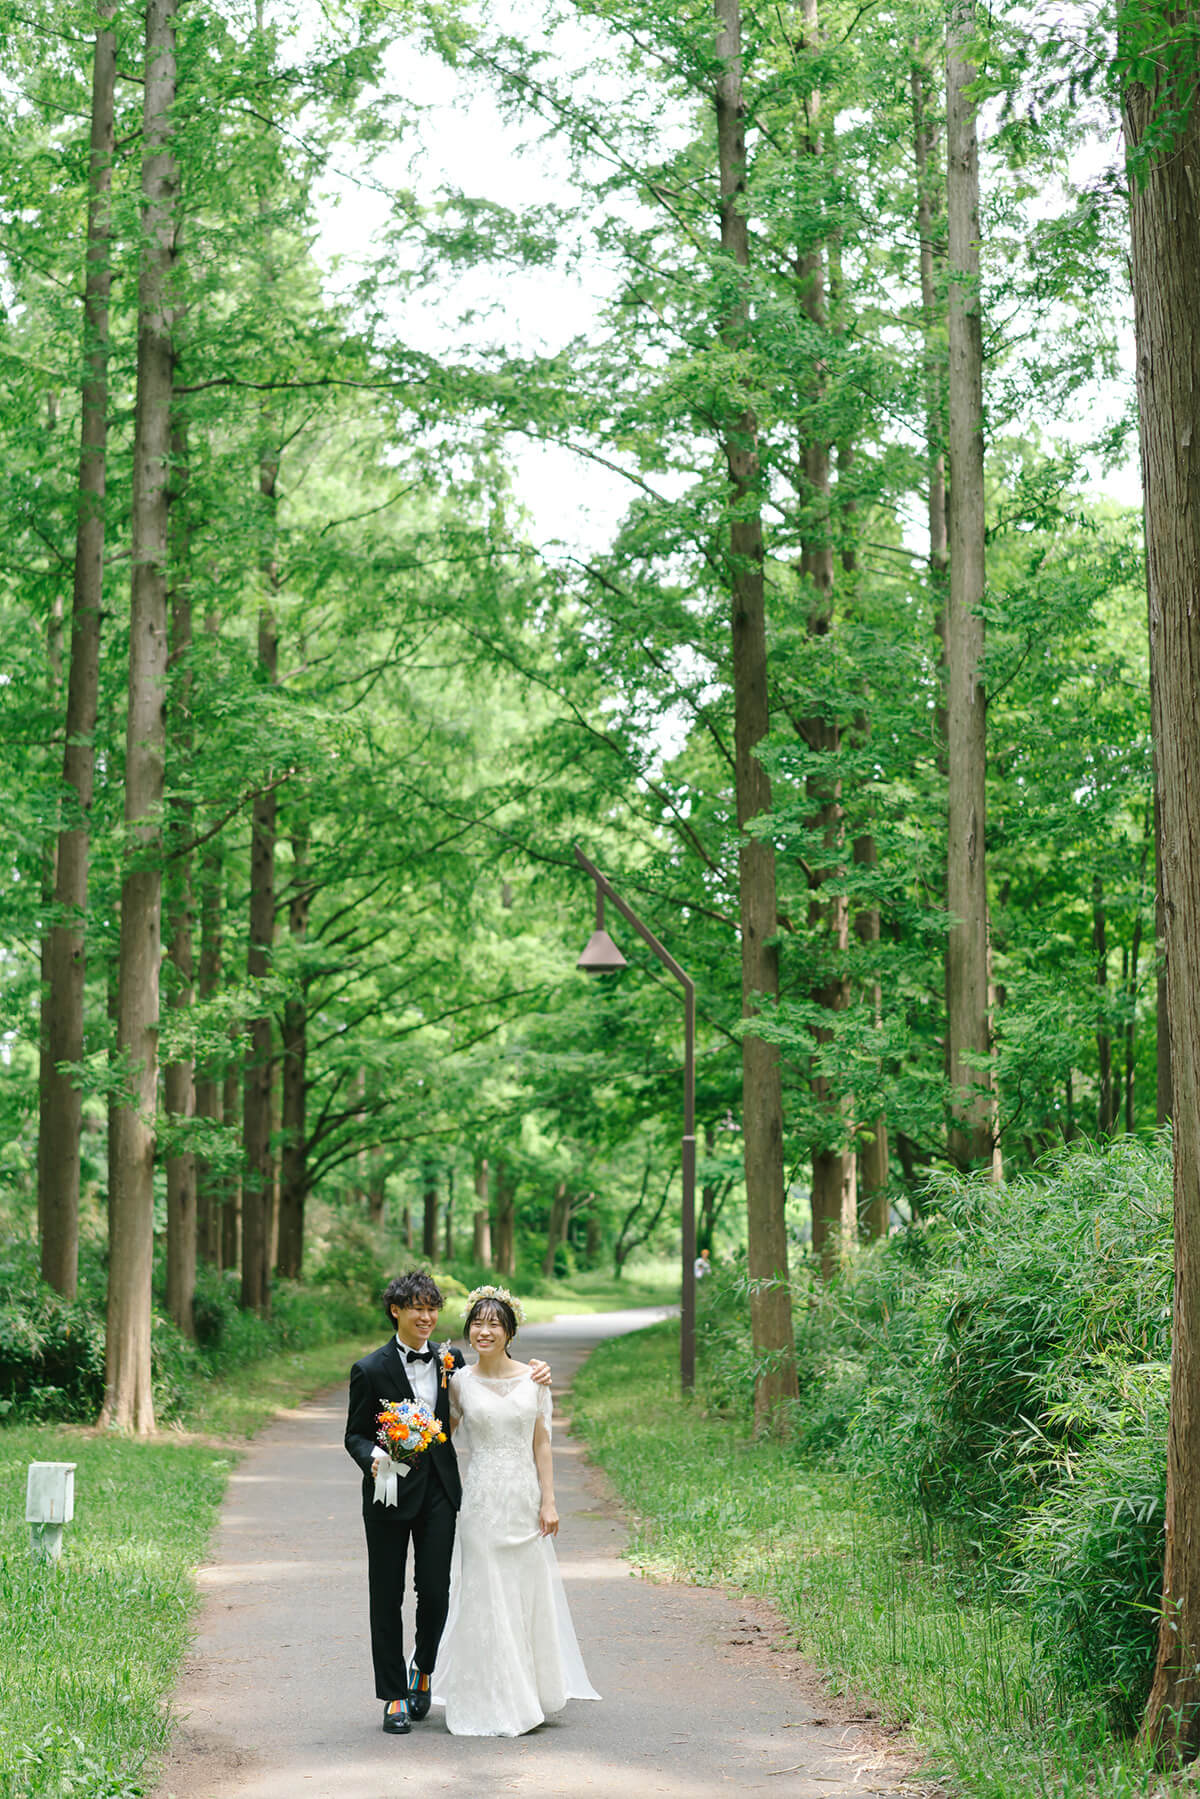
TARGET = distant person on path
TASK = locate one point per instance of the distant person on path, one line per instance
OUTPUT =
(426, 1502)
(702, 1265)
(509, 1655)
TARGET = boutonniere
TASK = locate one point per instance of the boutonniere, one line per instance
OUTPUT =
(446, 1357)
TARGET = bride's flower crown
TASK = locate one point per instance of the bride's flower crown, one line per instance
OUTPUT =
(514, 1305)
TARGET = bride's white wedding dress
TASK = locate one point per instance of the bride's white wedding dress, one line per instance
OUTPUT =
(508, 1654)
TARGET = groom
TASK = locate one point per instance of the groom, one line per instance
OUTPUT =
(427, 1500)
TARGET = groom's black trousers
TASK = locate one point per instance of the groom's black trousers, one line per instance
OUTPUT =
(431, 1533)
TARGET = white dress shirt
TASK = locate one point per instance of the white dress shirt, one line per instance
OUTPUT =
(422, 1376)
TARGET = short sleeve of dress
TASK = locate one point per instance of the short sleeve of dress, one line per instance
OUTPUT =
(545, 1409)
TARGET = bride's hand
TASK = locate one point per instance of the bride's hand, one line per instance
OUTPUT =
(548, 1519)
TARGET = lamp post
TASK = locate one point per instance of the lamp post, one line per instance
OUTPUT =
(600, 956)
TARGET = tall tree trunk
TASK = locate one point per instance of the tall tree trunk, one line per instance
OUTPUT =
(47, 885)
(1131, 987)
(179, 1091)
(1164, 1102)
(560, 1217)
(929, 254)
(873, 1157)
(276, 1127)
(708, 1195)
(834, 1197)
(972, 1097)
(60, 1107)
(505, 1236)
(429, 1216)
(377, 1165)
(1165, 218)
(762, 1094)
(127, 1399)
(481, 1234)
(293, 1159)
(449, 1219)
(1105, 1107)
(208, 1083)
(259, 1177)
(231, 1183)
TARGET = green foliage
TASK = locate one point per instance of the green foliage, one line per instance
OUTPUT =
(1089, 1558)
(998, 1337)
(881, 1608)
(52, 1352)
(999, 1372)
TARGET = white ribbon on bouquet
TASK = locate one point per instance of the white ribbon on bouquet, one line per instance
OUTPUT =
(387, 1478)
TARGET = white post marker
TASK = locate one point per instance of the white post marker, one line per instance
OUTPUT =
(49, 1504)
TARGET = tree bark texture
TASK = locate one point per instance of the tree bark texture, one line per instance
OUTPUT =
(259, 1176)
(179, 1089)
(429, 1216)
(1165, 221)
(929, 254)
(1105, 1102)
(60, 1106)
(873, 1159)
(834, 1202)
(293, 1157)
(208, 1082)
(49, 874)
(127, 1399)
(972, 1096)
(481, 1233)
(762, 1094)
(1164, 1097)
(505, 1235)
(556, 1234)
(231, 1184)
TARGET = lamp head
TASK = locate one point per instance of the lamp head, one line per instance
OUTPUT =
(601, 954)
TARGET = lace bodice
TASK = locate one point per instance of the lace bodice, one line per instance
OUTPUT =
(496, 1430)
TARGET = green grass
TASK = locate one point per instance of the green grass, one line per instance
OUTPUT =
(911, 1624)
(88, 1649)
(654, 1283)
(241, 1402)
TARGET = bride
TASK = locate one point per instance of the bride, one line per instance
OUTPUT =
(509, 1654)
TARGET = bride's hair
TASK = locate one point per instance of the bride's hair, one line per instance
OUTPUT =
(499, 1309)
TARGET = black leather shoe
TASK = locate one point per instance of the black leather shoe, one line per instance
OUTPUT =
(420, 1693)
(396, 1722)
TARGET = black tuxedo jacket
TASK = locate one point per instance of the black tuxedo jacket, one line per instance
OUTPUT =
(382, 1376)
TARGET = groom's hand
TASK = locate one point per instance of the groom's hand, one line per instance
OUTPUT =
(540, 1372)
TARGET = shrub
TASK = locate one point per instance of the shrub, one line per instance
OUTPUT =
(1003, 1351)
(1000, 1368)
(51, 1349)
(1090, 1555)
(351, 1260)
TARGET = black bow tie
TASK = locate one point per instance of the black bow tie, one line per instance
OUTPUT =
(420, 1355)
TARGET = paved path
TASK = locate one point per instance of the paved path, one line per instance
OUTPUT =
(277, 1698)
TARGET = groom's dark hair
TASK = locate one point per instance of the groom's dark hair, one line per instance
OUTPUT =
(416, 1288)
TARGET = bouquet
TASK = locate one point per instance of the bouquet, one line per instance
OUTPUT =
(406, 1430)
